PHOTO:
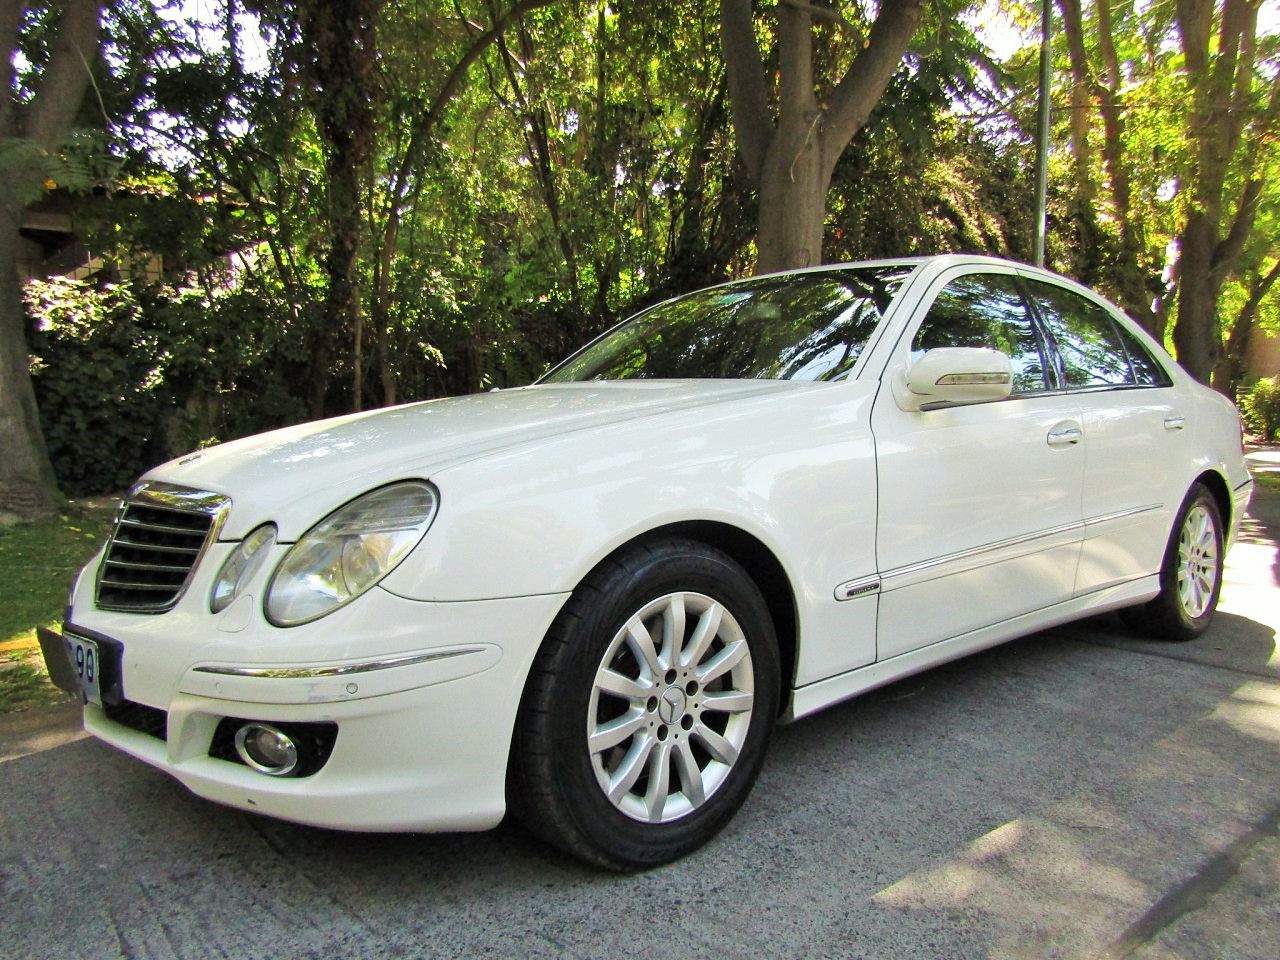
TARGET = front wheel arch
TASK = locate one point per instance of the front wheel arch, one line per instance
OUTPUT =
(762, 566)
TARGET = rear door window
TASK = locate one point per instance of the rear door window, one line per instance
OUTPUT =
(1094, 351)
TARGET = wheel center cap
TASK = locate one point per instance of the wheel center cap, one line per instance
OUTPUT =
(671, 705)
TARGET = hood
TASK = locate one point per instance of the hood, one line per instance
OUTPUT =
(296, 475)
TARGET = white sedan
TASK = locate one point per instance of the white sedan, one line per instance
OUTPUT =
(591, 599)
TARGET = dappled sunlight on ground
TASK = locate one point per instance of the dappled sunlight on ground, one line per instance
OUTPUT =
(35, 731)
(1038, 874)
(1254, 710)
(1032, 879)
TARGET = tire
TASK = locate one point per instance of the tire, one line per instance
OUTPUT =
(647, 712)
(1190, 576)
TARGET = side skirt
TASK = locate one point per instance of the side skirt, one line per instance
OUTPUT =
(815, 696)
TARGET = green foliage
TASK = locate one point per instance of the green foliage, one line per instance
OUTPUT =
(80, 163)
(128, 375)
(98, 383)
(583, 167)
(1261, 407)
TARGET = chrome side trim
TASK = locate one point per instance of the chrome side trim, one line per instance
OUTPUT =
(862, 587)
(1121, 514)
(339, 670)
(813, 697)
(960, 555)
(893, 579)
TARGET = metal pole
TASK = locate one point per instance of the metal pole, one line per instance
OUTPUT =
(1042, 136)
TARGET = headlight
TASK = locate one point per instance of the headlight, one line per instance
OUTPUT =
(349, 551)
(241, 567)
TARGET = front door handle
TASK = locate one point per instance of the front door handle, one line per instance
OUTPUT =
(1065, 434)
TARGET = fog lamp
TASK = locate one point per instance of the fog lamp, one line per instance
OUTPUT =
(267, 749)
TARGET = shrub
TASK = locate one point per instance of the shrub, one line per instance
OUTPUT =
(129, 375)
(1261, 407)
(98, 381)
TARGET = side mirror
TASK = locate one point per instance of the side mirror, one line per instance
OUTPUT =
(947, 376)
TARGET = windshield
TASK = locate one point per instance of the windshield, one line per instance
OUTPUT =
(800, 326)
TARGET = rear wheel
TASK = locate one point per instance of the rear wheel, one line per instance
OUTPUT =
(1190, 577)
(646, 716)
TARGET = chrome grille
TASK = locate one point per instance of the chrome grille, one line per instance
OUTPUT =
(160, 534)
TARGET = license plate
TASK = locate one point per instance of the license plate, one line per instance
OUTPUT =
(85, 663)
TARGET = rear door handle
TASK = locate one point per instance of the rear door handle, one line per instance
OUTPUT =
(1174, 422)
(1065, 434)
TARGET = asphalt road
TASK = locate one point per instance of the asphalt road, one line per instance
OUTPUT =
(1074, 794)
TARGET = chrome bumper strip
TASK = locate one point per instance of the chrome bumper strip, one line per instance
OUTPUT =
(339, 670)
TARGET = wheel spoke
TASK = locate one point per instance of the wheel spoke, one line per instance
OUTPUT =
(690, 775)
(723, 662)
(1204, 585)
(673, 626)
(1188, 594)
(632, 765)
(642, 644)
(1203, 532)
(616, 731)
(655, 798)
(610, 681)
(719, 748)
(731, 701)
(706, 630)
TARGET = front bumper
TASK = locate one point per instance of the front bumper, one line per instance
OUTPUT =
(424, 714)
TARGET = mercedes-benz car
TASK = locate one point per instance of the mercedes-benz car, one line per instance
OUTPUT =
(591, 599)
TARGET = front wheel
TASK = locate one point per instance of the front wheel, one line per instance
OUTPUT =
(1190, 576)
(646, 716)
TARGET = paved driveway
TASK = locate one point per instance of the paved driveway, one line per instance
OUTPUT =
(1074, 794)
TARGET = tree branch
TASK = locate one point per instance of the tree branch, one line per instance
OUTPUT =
(850, 103)
(449, 89)
(795, 63)
(1195, 18)
(422, 130)
(830, 16)
(61, 88)
(1228, 250)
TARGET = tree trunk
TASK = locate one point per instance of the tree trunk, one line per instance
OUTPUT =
(1098, 87)
(793, 199)
(1231, 368)
(27, 486)
(791, 156)
(340, 62)
(1212, 240)
(1196, 336)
